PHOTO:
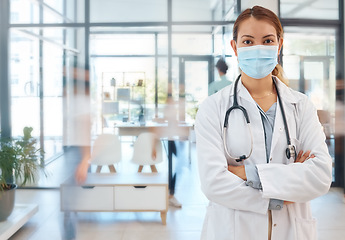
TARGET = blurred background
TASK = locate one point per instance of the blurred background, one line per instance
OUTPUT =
(117, 62)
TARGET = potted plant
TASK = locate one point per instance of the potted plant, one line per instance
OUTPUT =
(20, 161)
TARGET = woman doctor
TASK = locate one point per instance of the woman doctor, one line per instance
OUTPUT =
(257, 189)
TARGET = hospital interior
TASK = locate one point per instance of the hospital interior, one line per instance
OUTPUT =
(104, 76)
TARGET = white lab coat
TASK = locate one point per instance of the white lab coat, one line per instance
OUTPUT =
(240, 212)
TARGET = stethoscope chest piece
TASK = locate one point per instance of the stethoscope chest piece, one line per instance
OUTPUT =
(291, 152)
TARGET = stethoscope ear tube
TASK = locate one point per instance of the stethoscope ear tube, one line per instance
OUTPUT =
(233, 108)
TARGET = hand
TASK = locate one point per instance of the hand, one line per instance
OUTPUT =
(81, 172)
(301, 158)
(239, 171)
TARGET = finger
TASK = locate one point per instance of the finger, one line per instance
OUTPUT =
(311, 156)
(299, 156)
(304, 156)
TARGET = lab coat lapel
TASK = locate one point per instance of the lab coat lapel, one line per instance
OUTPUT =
(287, 100)
(279, 129)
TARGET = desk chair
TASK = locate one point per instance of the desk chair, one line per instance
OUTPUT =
(106, 151)
(142, 152)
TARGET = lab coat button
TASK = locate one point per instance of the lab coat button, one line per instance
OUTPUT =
(278, 207)
(270, 159)
(274, 225)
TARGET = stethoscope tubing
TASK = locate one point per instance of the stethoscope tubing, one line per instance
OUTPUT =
(243, 157)
(290, 150)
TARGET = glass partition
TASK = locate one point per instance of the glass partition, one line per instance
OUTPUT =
(24, 75)
(192, 40)
(193, 10)
(306, 9)
(25, 11)
(123, 44)
(128, 11)
(302, 47)
(39, 58)
(196, 86)
(309, 64)
(125, 65)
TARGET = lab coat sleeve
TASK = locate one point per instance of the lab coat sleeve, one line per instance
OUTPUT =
(253, 180)
(301, 182)
(217, 183)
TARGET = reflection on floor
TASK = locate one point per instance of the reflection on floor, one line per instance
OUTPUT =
(182, 224)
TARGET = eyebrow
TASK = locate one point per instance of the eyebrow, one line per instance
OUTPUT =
(250, 36)
(247, 36)
(269, 35)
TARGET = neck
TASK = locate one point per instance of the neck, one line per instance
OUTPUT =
(258, 87)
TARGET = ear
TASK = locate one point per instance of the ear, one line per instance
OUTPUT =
(281, 40)
(234, 47)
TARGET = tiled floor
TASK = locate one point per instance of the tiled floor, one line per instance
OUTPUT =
(182, 224)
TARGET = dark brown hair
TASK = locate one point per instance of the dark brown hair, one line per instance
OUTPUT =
(261, 13)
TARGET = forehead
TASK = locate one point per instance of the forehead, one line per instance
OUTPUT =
(255, 27)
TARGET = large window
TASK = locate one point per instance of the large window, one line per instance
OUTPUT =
(309, 64)
(47, 11)
(38, 69)
(24, 82)
(126, 65)
(316, 9)
(128, 11)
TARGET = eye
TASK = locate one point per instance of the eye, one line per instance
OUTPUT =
(247, 42)
(268, 41)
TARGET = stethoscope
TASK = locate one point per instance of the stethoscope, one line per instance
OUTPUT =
(290, 150)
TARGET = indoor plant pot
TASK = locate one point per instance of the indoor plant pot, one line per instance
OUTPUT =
(19, 159)
(7, 202)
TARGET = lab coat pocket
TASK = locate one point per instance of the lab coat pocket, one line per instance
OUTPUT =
(306, 229)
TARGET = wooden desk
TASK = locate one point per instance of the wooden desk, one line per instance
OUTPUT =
(164, 131)
(179, 133)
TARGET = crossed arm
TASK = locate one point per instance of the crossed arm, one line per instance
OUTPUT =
(241, 172)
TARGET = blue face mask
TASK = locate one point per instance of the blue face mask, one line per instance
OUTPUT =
(257, 61)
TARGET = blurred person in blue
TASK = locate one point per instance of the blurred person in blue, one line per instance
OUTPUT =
(261, 148)
(77, 140)
(215, 86)
(172, 134)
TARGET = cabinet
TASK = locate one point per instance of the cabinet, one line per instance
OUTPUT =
(117, 192)
(123, 97)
